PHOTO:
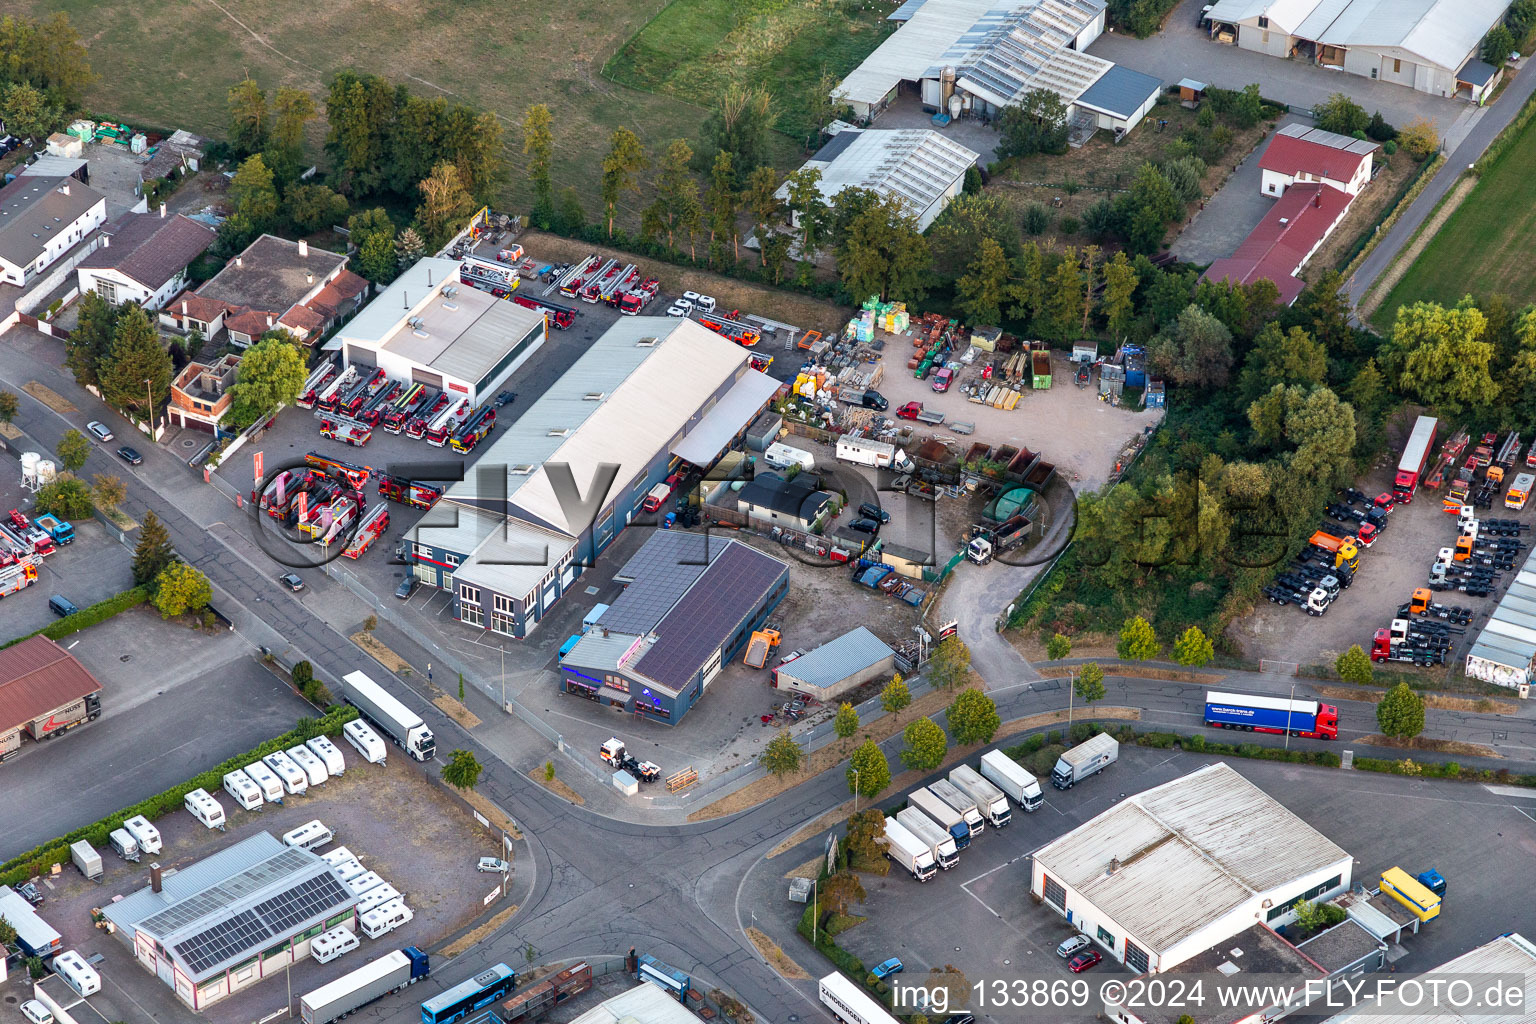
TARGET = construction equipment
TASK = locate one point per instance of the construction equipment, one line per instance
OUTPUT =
(988, 540)
(763, 641)
(369, 530)
(1040, 365)
(728, 326)
(1344, 550)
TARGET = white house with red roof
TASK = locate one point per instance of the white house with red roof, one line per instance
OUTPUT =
(1299, 153)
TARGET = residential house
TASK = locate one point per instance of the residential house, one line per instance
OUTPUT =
(795, 502)
(143, 258)
(200, 393)
(41, 219)
(1299, 153)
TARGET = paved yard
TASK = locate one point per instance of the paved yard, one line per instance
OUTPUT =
(1182, 50)
(1228, 216)
(907, 112)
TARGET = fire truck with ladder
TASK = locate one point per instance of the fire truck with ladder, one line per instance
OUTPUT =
(473, 430)
(728, 326)
(355, 476)
(444, 423)
(561, 316)
(426, 413)
(369, 530)
(347, 431)
(408, 492)
(18, 575)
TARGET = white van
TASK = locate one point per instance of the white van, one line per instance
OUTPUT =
(295, 779)
(332, 944)
(782, 456)
(126, 846)
(267, 781)
(78, 974)
(376, 897)
(365, 740)
(245, 792)
(348, 869)
(204, 808)
(328, 753)
(145, 834)
(337, 855)
(312, 766)
(386, 919)
(309, 835)
(363, 882)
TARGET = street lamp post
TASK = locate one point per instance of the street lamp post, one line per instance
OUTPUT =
(1071, 692)
(503, 679)
(855, 789)
(149, 413)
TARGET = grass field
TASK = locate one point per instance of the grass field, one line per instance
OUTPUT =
(1486, 246)
(169, 63)
(696, 49)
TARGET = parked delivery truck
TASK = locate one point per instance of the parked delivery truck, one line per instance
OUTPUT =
(397, 721)
(1087, 758)
(389, 973)
(1410, 468)
(952, 820)
(1012, 778)
(929, 831)
(909, 851)
(989, 799)
(951, 794)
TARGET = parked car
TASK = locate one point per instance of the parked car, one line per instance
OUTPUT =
(942, 379)
(493, 864)
(1075, 944)
(291, 581)
(869, 510)
(103, 434)
(36, 1013)
(888, 968)
(1084, 960)
(864, 526)
(129, 455)
(403, 591)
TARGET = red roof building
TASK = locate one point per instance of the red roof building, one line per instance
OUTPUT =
(1285, 239)
(1298, 154)
(39, 679)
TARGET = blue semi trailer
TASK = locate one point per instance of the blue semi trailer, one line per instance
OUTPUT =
(1271, 714)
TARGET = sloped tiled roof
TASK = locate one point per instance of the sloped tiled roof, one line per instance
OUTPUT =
(1297, 148)
(38, 676)
(1276, 248)
(150, 249)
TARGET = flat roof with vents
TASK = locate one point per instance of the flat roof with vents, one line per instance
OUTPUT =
(228, 907)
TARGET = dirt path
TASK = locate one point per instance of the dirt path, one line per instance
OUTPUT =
(1387, 281)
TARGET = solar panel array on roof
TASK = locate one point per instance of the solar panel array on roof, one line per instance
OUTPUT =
(702, 621)
(660, 573)
(243, 932)
(233, 888)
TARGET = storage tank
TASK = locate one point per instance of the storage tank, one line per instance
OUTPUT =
(46, 471)
(954, 105)
(29, 461)
(946, 87)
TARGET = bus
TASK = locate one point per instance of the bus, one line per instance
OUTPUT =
(851, 1004)
(464, 999)
(1421, 903)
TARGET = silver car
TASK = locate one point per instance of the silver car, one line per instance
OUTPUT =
(493, 864)
(1075, 944)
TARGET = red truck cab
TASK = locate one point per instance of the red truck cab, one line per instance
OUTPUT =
(909, 411)
(657, 497)
(942, 379)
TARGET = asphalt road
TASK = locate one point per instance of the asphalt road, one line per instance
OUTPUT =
(1500, 114)
(599, 885)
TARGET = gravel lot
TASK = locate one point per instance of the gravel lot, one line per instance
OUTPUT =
(431, 861)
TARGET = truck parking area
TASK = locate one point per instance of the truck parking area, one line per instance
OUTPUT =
(431, 862)
(980, 917)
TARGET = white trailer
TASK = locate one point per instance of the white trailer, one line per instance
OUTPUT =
(242, 790)
(389, 973)
(909, 851)
(86, 859)
(925, 828)
(1012, 778)
(365, 741)
(147, 835)
(951, 794)
(864, 451)
(328, 752)
(989, 799)
(851, 1004)
(267, 781)
(295, 779)
(397, 721)
(312, 766)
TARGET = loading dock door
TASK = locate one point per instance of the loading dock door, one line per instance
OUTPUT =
(431, 380)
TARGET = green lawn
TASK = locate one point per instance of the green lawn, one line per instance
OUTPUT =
(169, 63)
(696, 49)
(1487, 246)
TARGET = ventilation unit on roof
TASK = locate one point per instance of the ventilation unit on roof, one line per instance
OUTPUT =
(559, 431)
(415, 321)
(646, 343)
(594, 396)
(450, 291)
(450, 306)
(521, 469)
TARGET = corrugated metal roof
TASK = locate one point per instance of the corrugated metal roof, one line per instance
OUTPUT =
(709, 437)
(38, 676)
(917, 164)
(837, 659)
(1120, 91)
(905, 11)
(644, 1004)
(915, 46)
(1186, 852)
(1511, 954)
(1284, 15)
(1441, 32)
(513, 558)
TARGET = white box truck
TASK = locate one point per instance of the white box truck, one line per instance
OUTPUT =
(989, 799)
(953, 821)
(397, 721)
(909, 851)
(925, 828)
(1089, 757)
(1012, 778)
(950, 794)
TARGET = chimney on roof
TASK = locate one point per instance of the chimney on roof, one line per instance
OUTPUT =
(64, 188)
(429, 277)
(303, 248)
(309, 278)
(162, 211)
(269, 320)
(1284, 221)
(239, 261)
(156, 877)
(1317, 200)
(183, 307)
(106, 241)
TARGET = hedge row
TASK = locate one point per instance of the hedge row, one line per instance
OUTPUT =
(56, 851)
(1195, 744)
(1505, 139)
(1443, 770)
(101, 611)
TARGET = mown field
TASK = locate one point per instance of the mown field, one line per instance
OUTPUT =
(1487, 246)
(697, 49)
(169, 63)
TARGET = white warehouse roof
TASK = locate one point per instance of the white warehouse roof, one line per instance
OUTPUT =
(917, 164)
(913, 47)
(1508, 954)
(644, 1004)
(1166, 862)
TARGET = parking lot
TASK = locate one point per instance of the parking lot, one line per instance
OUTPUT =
(980, 917)
(431, 861)
(1389, 572)
(174, 701)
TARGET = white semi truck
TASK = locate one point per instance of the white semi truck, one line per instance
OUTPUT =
(397, 721)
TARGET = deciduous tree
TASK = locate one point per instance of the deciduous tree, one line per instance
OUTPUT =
(950, 665)
(1089, 684)
(621, 171)
(846, 722)
(292, 109)
(782, 756)
(984, 288)
(741, 125)
(271, 374)
(445, 205)
(865, 830)
(1440, 357)
(254, 194)
(1400, 714)
(868, 770)
(1282, 357)
(66, 496)
(1193, 648)
(249, 119)
(109, 491)
(1036, 124)
(314, 207)
(973, 717)
(1058, 647)
(374, 235)
(884, 254)
(1117, 303)
(462, 770)
(1341, 115)
(895, 697)
(762, 204)
(1354, 666)
(1419, 138)
(722, 201)
(1195, 350)
(956, 236)
(1137, 641)
(181, 588)
(841, 891)
(9, 406)
(926, 745)
(539, 148)
(28, 111)
(74, 449)
(809, 208)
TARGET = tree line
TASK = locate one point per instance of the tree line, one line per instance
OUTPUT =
(44, 72)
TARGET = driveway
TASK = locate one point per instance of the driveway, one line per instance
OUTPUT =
(1236, 208)
(907, 112)
(1183, 50)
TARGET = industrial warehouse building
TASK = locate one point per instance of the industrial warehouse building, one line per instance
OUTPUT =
(921, 166)
(837, 666)
(427, 328)
(1504, 652)
(1511, 956)
(1169, 873)
(554, 489)
(977, 56)
(232, 919)
(646, 1003)
(1428, 45)
(41, 219)
(690, 604)
(42, 686)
